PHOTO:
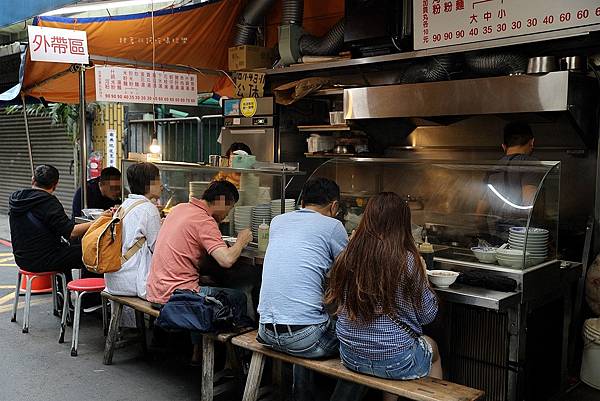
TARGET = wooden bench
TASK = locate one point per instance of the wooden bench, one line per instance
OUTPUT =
(142, 307)
(426, 389)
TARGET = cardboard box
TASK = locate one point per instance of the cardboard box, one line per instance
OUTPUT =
(248, 57)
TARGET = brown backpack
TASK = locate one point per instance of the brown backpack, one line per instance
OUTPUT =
(103, 241)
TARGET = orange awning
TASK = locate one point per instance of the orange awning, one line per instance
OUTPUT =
(197, 36)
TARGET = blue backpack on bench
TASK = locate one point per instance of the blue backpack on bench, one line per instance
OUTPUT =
(188, 310)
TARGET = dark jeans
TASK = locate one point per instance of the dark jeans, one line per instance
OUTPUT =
(236, 297)
(62, 260)
(313, 341)
(67, 258)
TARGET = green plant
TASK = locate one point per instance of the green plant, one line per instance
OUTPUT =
(63, 114)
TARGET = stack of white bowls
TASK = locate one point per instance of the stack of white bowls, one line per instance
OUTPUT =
(290, 205)
(513, 258)
(242, 218)
(249, 188)
(537, 242)
(264, 195)
(197, 188)
(260, 213)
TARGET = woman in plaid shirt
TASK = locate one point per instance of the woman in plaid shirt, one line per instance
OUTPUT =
(383, 297)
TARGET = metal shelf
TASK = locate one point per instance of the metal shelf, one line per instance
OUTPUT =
(179, 165)
(323, 128)
(368, 61)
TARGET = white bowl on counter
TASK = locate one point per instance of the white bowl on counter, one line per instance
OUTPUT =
(442, 278)
(88, 212)
(485, 254)
(513, 258)
(95, 215)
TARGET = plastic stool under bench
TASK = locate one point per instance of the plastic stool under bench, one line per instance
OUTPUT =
(30, 277)
(81, 287)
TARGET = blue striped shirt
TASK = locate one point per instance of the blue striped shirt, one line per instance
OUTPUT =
(382, 338)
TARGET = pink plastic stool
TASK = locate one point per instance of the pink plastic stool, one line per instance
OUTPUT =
(30, 277)
(80, 287)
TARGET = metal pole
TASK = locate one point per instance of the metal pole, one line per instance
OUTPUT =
(83, 137)
(27, 134)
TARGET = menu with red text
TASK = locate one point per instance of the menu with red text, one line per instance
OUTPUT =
(451, 22)
(134, 85)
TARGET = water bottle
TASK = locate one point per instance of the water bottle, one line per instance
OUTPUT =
(263, 237)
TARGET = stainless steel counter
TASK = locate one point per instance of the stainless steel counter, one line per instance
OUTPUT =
(481, 297)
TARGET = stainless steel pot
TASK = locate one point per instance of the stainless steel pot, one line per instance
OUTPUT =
(541, 65)
(573, 63)
(343, 149)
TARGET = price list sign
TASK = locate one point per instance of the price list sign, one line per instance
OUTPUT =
(450, 22)
(133, 85)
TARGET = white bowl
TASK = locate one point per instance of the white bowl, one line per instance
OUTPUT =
(484, 254)
(510, 253)
(442, 278)
(95, 215)
(88, 212)
(512, 263)
(532, 231)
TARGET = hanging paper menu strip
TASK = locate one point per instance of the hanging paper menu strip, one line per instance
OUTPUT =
(133, 85)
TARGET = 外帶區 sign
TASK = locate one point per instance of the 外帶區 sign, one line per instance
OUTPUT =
(57, 45)
(133, 85)
(451, 22)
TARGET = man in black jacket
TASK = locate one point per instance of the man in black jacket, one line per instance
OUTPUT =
(40, 228)
(103, 192)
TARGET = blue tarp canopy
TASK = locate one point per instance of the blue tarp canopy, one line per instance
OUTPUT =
(21, 10)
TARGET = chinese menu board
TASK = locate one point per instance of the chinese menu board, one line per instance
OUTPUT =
(450, 22)
(57, 45)
(133, 85)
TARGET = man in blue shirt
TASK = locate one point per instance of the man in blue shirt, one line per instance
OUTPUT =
(302, 247)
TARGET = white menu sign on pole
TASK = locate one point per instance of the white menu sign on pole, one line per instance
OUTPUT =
(58, 45)
(134, 85)
(111, 148)
(450, 22)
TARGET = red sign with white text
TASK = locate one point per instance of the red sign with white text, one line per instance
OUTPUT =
(57, 45)
(451, 22)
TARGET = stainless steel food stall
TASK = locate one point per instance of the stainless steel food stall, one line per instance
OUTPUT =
(443, 196)
(439, 146)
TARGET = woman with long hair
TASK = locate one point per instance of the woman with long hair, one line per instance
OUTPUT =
(383, 298)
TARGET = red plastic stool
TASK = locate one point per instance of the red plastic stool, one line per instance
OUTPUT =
(29, 278)
(80, 287)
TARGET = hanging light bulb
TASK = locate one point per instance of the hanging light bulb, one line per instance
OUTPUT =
(155, 147)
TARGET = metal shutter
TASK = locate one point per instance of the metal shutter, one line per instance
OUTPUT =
(50, 145)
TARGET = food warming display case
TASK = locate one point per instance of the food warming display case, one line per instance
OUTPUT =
(263, 193)
(509, 303)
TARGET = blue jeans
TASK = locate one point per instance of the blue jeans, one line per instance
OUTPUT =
(410, 364)
(314, 341)
(413, 363)
(236, 297)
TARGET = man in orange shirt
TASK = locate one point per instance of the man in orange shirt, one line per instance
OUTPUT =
(188, 236)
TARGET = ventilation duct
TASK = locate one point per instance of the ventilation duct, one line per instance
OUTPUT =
(295, 43)
(496, 64)
(330, 43)
(249, 21)
(292, 12)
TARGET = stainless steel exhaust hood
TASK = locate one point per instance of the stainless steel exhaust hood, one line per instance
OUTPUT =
(560, 91)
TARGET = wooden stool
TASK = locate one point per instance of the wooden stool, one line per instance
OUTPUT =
(30, 277)
(81, 287)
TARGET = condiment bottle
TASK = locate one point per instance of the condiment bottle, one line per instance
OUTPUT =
(426, 250)
(263, 237)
